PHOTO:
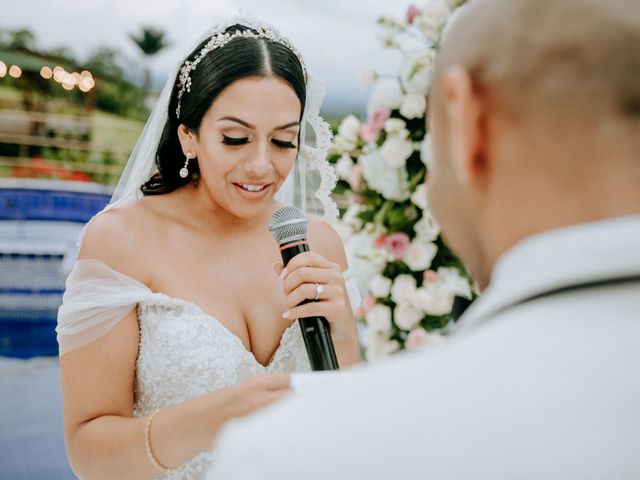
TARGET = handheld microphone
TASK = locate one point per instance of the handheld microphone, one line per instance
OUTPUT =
(288, 227)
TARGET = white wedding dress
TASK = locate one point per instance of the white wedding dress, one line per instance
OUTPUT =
(183, 352)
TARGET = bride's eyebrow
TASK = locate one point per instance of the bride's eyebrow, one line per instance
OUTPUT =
(248, 125)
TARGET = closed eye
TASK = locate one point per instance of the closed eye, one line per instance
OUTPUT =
(234, 140)
(283, 143)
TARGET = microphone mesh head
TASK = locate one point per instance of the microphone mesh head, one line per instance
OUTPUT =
(288, 224)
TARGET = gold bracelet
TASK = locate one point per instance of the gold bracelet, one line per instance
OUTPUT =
(147, 443)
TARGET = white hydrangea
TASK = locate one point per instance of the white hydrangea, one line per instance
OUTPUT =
(427, 230)
(379, 318)
(403, 289)
(350, 216)
(380, 286)
(344, 166)
(396, 151)
(417, 72)
(349, 127)
(406, 317)
(420, 255)
(386, 93)
(419, 196)
(391, 182)
(413, 106)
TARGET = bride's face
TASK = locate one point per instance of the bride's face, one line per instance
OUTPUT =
(247, 144)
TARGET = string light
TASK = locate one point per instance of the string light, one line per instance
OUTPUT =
(3, 69)
(15, 71)
(46, 72)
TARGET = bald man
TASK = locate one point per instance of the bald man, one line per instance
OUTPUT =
(536, 184)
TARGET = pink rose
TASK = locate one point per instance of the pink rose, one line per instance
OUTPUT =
(367, 304)
(368, 133)
(397, 244)
(416, 339)
(379, 117)
(379, 242)
(370, 130)
(412, 13)
(355, 177)
(430, 276)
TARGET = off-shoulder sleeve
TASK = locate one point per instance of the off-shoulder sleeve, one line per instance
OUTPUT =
(96, 298)
(352, 290)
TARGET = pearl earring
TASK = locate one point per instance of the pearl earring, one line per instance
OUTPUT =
(184, 171)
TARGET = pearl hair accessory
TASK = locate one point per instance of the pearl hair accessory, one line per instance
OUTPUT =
(218, 40)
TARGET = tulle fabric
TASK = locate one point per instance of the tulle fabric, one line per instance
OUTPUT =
(98, 297)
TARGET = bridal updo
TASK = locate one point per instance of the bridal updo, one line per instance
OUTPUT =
(240, 58)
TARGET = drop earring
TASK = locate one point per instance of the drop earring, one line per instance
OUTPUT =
(184, 171)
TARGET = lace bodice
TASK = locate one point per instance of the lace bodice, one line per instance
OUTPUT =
(183, 352)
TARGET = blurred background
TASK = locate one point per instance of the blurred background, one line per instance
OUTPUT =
(77, 82)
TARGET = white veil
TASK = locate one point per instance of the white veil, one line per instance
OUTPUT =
(311, 181)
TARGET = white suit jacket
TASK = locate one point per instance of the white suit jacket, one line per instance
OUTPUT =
(547, 388)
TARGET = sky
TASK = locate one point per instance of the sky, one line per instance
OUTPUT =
(337, 38)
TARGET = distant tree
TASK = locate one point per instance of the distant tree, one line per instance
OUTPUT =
(22, 39)
(150, 41)
(106, 62)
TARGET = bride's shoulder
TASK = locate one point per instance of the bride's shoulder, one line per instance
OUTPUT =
(119, 236)
(324, 239)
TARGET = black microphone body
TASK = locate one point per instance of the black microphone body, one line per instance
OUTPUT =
(315, 330)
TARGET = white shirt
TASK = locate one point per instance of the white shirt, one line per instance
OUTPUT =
(539, 390)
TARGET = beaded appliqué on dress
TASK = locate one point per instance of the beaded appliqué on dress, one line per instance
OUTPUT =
(185, 353)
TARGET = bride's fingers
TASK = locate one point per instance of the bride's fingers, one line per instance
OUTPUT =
(308, 291)
(308, 259)
(311, 275)
(329, 310)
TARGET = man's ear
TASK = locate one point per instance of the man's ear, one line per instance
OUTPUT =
(464, 110)
(187, 140)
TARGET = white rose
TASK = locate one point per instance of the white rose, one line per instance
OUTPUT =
(344, 166)
(380, 286)
(416, 72)
(349, 128)
(419, 338)
(379, 318)
(387, 93)
(413, 106)
(426, 152)
(452, 282)
(350, 217)
(365, 261)
(392, 183)
(406, 317)
(419, 196)
(395, 126)
(427, 230)
(420, 255)
(433, 299)
(367, 78)
(433, 17)
(377, 345)
(343, 145)
(403, 289)
(396, 150)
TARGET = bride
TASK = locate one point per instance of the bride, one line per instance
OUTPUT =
(179, 298)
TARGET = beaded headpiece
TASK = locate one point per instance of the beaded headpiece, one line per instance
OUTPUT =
(221, 37)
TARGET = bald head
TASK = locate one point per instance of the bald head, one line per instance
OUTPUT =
(535, 121)
(561, 58)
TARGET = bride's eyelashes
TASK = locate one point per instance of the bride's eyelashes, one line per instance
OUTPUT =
(236, 141)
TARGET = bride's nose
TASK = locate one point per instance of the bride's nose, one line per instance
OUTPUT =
(258, 163)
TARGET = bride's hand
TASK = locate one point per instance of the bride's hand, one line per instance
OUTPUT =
(303, 274)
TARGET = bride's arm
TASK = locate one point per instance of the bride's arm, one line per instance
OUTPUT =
(103, 438)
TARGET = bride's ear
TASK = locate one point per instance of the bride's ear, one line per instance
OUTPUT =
(187, 140)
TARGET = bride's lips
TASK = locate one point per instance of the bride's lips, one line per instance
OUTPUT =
(249, 195)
